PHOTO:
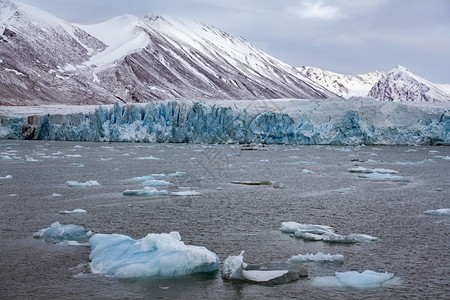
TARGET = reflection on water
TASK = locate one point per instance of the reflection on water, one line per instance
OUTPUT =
(226, 218)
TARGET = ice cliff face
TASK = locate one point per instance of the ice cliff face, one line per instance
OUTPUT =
(403, 85)
(332, 121)
(126, 59)
(343, 85)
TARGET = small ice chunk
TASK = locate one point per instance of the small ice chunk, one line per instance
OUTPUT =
(279, 185)
(147, 158)
(292, 227)
(186, 193)
(155, 182)
(73, 155)
(369, 171)
(363, 237)
(381, 176)
(257, 276)
(263, 161)
(76, 211)
(365, 279)
(56, 195)
(7, 177)
(58, 233)
(80, 165)
(305, 171)
(31, 159)
(443, 157)
(177, 174)
(147, 191)
(319, 257)
(337, 238)
(82, 184)
(12, 195)
(438, 212)
(105, 159)
(156, 255)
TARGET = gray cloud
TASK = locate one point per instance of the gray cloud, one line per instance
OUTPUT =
(345, 36)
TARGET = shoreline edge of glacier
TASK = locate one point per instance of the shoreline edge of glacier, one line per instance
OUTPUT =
(355, 121)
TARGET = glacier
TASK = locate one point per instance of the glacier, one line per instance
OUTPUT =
(156, 255)
(356, 121)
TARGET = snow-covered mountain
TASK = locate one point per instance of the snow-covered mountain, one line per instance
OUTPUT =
(401, 84)
(44, 60)
(343, 85)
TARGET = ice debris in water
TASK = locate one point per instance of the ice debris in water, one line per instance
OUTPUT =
(443, 157)
(177, 174)
(381, 176)
(155, 182)
(186, 193)
(156, 255)
(58, 233)
(147, 158)
(354, 279)
(438, 212)
(147, 191)
(31, 159)
(279, 185)
(56, 195)
(146, 177)
(322, 233)
(368, 171)
(73, 212)
(305, 171)
(82, 184)
(319, 257)
(235, 268)
(80, 165)
(7, 177)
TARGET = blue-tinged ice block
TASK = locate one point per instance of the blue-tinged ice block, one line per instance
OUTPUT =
(58, 233)
(156, 255)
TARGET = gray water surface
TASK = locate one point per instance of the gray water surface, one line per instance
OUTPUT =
(227, 218)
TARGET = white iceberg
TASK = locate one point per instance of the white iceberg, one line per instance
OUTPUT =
(7, 177)
(319, 257)
(77, 211)
(292, 227)
(438, 212)
(82, 184)
(58, 233)
(147, 191)
(156, 255)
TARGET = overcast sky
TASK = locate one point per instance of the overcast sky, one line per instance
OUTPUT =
(344, 36)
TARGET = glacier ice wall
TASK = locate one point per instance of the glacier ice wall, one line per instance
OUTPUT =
(332, 121)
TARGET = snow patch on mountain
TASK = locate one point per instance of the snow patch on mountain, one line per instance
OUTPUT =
(343, 85)
(401, 84)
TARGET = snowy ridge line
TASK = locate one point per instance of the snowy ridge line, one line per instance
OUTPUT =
(288, 121)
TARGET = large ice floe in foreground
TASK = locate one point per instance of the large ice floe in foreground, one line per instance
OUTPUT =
(234, 268)
(156, 255)
(324, 233)
(64, 234)
(354, 279)
(284, 121)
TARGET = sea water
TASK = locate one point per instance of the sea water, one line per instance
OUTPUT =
(225, 218)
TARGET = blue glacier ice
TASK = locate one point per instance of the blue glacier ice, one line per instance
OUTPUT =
(64, 234)
(332, 121)
(156, 255)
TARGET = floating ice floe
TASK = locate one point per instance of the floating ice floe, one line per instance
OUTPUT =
(56, 195)
(105, 159)
(58, 233)
(7, 177)
(147, 191)
(234, 268)
(354, 279)
(251, 182)
(279, 185)
(443, 157)
(304, 163)
(73, 155)
(438, 212)
(382, 176)
(31, 159)
(319, 257)
(77, 211)
(186, 193)
(156, 182)
(156, 255)
(305, 171)
(322, 233)
(80, 165)
(177, 174)
(147, 158)
(263, 161)
(82, 184)
(369, 171)
(414, 162)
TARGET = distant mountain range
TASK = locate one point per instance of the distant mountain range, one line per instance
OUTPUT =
(46, 60)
